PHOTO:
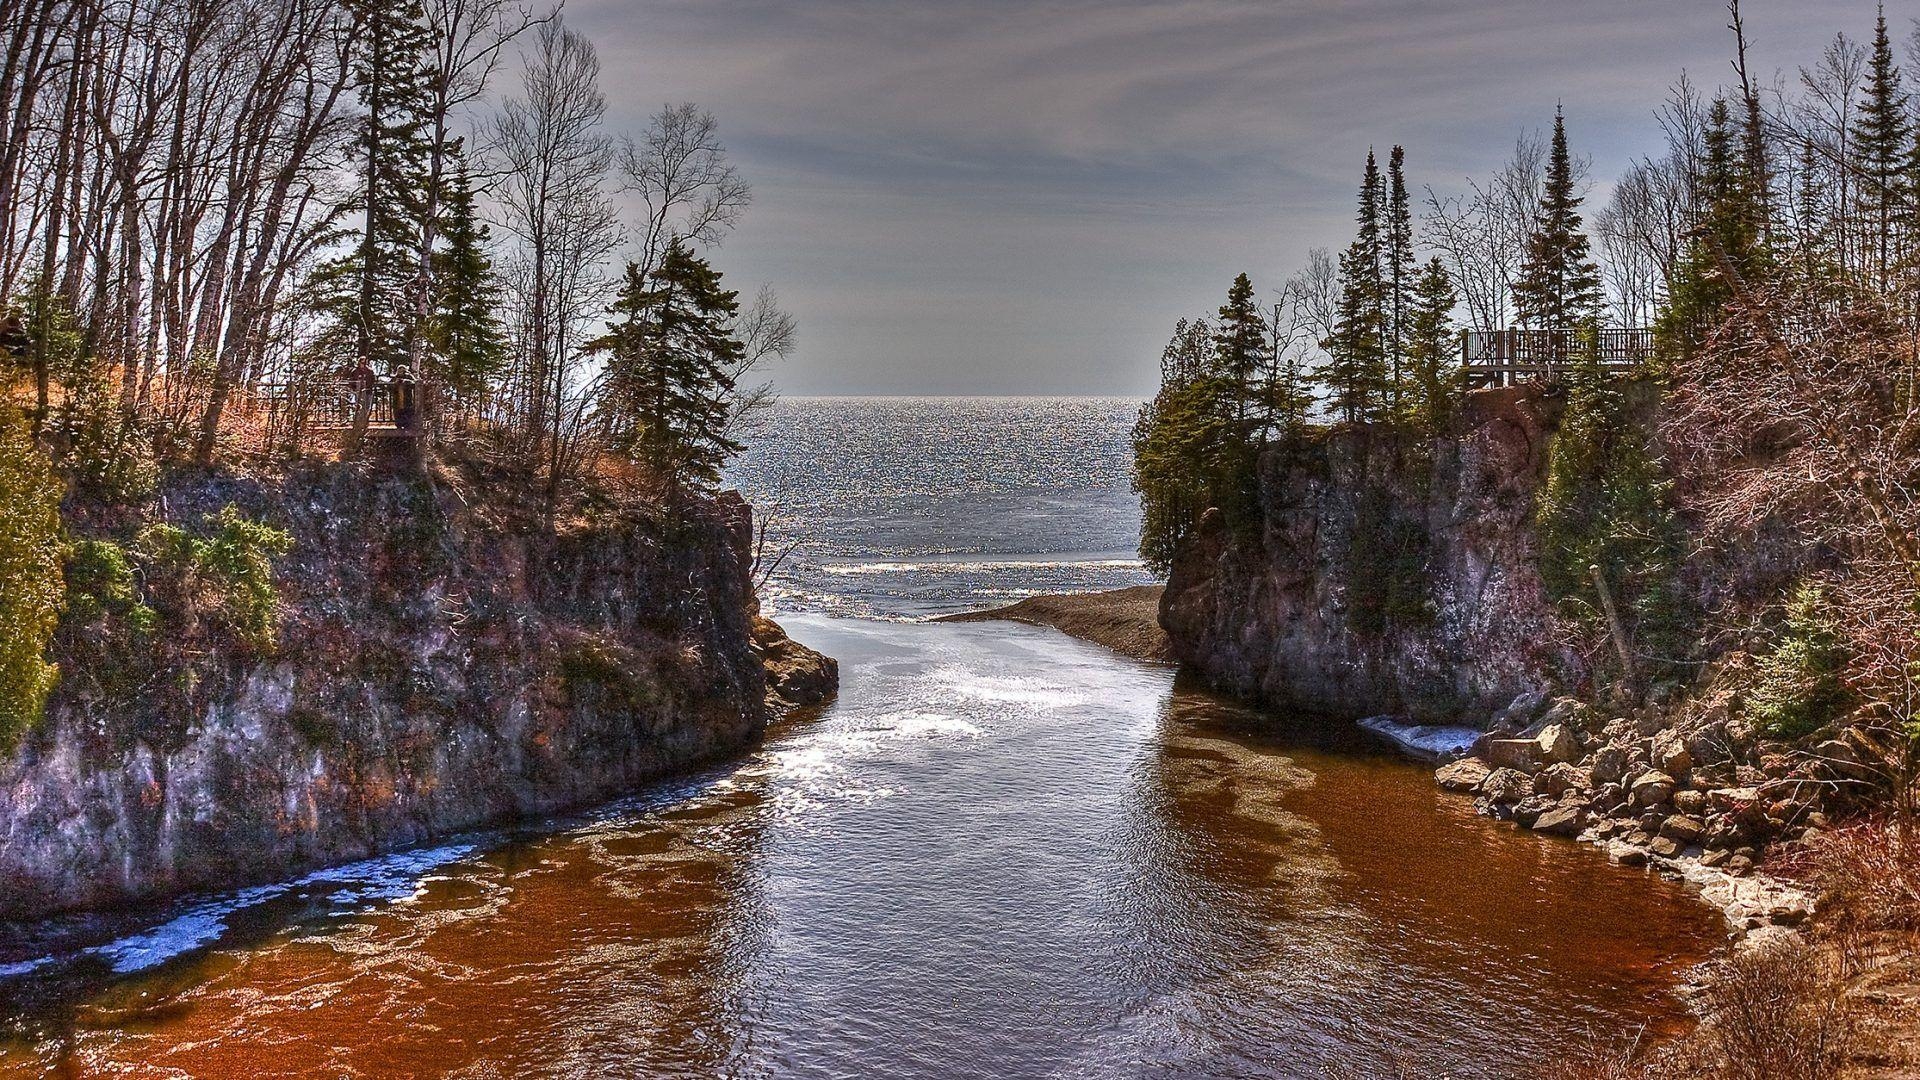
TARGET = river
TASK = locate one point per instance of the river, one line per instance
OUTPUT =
(1000, 853)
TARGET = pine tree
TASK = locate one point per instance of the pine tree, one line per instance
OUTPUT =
(470, 346)
(1432, 357)
(1356, 374)
(1399, 274)
(670, 355)
(1187, 445)
(1240, 343)
(1559, 283)
(1727, 227)
(1883, 152)
(367, 295)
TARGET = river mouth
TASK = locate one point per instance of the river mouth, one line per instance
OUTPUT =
(1001, 852)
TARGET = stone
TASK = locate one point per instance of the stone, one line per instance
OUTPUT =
(1670, 755)
(1739, 865)
(1715, 857)
(1734, 800)
(1690, 802)
(1561, 820)
(1467, 774)
(1664, 846)
(1556, 780)
(1521, 754)
(1520, 712)
(1652, 789)
(1528, 810)
(1626, 853)
(1609, 764)
(1506, 786)
(1687, 830)
(1557, 743)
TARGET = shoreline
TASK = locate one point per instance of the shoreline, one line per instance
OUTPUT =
(1124, 620)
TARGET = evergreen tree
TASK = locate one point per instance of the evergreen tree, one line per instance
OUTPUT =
(1606, 502)
(670, 354)
(1355, 373)
(1240, 343)
(470, 346)
(1727, 226)
(1883, 153)
(1399, 274)
(1433, 359)
(1187, 446)
(367, 294)
(1559, 283)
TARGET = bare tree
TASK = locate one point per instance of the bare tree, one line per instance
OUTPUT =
(556, 203)
(689, 189)
(1481, 236)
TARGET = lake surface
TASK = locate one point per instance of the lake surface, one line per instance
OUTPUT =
(1000, 853)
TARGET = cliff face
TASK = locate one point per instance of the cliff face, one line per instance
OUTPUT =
(1377, 578)
(439, 667)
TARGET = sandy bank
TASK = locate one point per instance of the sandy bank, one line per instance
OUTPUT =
(1124, 620)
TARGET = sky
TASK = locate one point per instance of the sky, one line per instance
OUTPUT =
(991, 197)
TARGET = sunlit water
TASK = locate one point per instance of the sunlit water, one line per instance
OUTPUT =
(904, 507)
(1001, 853)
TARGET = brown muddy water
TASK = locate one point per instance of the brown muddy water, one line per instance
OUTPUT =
(1002, 853)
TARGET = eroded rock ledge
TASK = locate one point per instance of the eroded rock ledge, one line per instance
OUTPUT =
(445, 661)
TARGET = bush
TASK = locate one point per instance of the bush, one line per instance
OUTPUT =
(100, 583)
(228, 575)
(1775, 1013)
(32, 591)
(1798, 688)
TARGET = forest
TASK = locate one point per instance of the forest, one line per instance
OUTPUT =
(237, 233)
(1774, 251)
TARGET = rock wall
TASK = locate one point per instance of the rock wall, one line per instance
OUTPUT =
(443, 663)
(1377, 577)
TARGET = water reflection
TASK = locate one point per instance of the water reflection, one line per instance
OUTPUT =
(1001, 853)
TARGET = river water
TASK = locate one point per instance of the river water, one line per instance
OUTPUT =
(1000, 853)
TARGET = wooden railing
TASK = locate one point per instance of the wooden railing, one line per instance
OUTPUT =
(1505, 357)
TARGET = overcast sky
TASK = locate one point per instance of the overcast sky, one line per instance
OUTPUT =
(991, 197)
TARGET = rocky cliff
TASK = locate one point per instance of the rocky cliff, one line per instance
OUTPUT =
(443, 661)
(1380, 576)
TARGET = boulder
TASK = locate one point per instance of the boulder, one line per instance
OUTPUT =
(1520, 712)
(1558, 779)
(1609, 764)
(1651, 789)
(1664, 846)
(1690, 801)
(1467, 774)
(1562, 820)
(1521, 754)
(1557, 743)
(1670, 754)
(1681, 827)
(1506, 786)
(1626, 853)
(1528, 810)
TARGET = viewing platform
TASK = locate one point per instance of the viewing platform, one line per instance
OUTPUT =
(1506, 357)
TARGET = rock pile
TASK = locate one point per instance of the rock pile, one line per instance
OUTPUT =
(1690, 788)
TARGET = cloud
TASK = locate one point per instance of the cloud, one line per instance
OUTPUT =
(990, 196)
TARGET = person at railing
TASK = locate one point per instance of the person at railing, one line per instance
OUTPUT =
(405, 401)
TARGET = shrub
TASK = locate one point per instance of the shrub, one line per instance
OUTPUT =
(1798, 687)
(229, 573)
(1775, 1013)
(100, 582)
(32, 591)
